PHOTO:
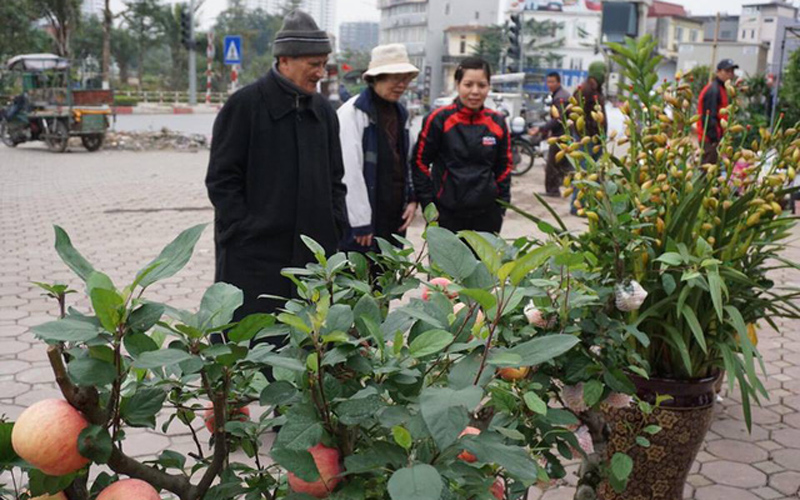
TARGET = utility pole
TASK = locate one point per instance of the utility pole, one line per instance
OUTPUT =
(192, 61)
(712, 67)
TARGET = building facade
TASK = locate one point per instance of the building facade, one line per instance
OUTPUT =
(323, 11)
(751, 57)
(421, 25)
(361, 36)
(672, 27)
(573, 42)
(461, 42)
(765, 23)
(91, 8)
(728, 27)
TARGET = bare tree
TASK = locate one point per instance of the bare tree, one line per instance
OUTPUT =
(63, 17)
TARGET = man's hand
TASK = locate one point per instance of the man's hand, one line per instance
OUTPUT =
(408, 215)
(533, 131)
(364, 241)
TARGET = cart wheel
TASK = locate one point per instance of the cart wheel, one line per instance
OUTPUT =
(59, 137)
(92, 142)
(5, 135)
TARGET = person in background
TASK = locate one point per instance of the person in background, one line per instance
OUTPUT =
(375, 145)
(590, 96)
(462, 159)
(275, 171)
(554, 171)
(712, 98)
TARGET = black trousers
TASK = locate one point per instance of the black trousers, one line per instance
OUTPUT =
(490, 221)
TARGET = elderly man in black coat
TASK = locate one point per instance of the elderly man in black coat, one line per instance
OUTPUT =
(276, 170)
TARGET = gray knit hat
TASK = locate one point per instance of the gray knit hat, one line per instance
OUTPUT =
(300, 36)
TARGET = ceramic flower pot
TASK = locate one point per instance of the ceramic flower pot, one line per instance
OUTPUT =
(660, 470)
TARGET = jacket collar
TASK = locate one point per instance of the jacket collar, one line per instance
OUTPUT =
(462, 109)
(283, 97)
(366, 103)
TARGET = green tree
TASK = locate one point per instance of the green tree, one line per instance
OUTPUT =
(123, 50)
(790, 91)
(142, 18)
(17, 32)
(88, 39)
(257, 29)
(491, 45)
(541, 38)
(63, 16)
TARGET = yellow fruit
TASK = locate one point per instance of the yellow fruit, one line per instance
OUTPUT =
(752, 334)
(567, 192)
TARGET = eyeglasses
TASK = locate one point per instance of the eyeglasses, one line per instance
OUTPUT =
(401, 78)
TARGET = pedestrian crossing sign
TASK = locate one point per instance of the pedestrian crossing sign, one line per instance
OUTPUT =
(233, 49)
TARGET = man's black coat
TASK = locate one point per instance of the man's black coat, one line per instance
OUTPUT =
(275, 174)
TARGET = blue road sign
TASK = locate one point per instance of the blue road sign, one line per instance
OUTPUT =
(233, 49)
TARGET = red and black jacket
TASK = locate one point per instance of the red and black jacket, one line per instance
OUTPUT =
(462, 159)
(712, 98)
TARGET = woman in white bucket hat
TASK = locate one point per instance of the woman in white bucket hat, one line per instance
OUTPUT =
(375, 146)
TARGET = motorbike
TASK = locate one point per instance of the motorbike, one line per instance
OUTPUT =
(15, 127)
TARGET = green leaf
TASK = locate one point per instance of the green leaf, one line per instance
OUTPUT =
(106, 305)
(67, 330)
(532, 260)
(42, 484)
(541, 349)
(652, 429)
(715, 285)
(449, 253)
(302, 429)
(430, 342)
(219, 303)
(535, 403)
(402, 437)
(592, 392)
(485, 251)
(94, 443)
(377, 456)
(339, 319)
(420, 482)
(88, 372)
(565, 418)
(262, 353)
(161, 358)
(315, 248)
(71, 257)
(643, 441)
(489, 448)
(694, 325)
(7, 453)
(670, 258)
(486, 300)
(172, 258)
(138, 343)
(430, 213)
(357, 411)
(145, 317)
(140, 409)
(278, 393)
(668, 282)
(445, 411)
(505, 359)
(295, 322)
(250, 326)
(172, 460)
(621, 466)
(299, 462)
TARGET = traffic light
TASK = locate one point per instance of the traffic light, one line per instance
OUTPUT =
(186, 28)
(515, 38)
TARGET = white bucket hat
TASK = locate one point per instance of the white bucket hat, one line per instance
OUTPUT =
(389, 60)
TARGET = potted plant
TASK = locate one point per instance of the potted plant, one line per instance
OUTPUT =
(688, 250)
(476, 390)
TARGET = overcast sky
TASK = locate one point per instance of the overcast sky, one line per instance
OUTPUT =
(366, 10)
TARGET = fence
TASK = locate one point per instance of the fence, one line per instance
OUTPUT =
(169, 97)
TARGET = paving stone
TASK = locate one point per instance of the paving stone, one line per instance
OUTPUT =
(38, 394)
(145, 445)
(736, 429)
(737, 451)
(37, 375)
(769, 467)
(10, 390)
(10, 367)
(719, 492)
(788, 458)
(698, 480)
(787, 483)
(734, 474)
(789, 438)
(12, 346)
(769, 445)
(12, 331)
(559, 494)
(767, 493)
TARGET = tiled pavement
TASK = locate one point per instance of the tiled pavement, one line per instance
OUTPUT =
(121, 208)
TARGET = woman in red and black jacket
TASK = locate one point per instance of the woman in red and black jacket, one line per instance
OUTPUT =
(462, 160)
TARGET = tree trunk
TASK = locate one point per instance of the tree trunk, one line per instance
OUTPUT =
(106, 64)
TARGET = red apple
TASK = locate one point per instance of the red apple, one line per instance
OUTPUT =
(439, 284)
(327, 460)
(498, 489)
(241, 414)
(46, 436)
(58, 496)
(511, 374)
(129, 489)
(465, 455)
(479, 317)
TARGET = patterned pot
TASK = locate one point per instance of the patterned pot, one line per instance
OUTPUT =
(660, 471)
